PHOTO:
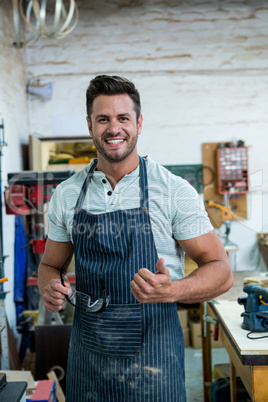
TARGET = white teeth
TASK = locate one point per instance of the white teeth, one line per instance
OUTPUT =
(114, 141)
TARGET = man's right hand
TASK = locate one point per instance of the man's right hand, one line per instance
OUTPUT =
(49, 283)
(54, 296)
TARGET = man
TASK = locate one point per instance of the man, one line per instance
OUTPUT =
(128, 221)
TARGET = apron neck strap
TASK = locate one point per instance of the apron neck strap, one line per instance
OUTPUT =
(83, 191)
(144, 199)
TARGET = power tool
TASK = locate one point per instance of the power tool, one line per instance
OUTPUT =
(255, 316)
(226, 217)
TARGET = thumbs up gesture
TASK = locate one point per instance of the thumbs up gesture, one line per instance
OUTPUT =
(147, 287)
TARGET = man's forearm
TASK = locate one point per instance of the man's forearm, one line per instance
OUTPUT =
(209, 280)
(45, 274)
(49, 282)
(205, 283)
(51, 289)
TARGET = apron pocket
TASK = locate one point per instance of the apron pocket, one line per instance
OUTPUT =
(115, 333)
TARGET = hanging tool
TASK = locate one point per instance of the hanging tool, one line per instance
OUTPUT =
(64, 20)
(255, 316)
(17, 41)
(35, 14)
(226, 219)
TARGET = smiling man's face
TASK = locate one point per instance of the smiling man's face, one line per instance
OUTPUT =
(114, 127)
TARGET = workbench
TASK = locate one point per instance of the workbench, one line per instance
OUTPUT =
(248, 358)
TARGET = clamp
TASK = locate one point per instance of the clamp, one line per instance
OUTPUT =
(207, 319)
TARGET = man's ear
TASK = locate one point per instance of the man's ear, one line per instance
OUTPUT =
(89, 126)
(140, 121)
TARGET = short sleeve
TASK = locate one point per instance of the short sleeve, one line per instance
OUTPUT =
(57, 229)
(189, 217)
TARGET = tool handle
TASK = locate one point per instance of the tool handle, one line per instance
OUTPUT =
(216, 332)
(258, 290)
(242, 301)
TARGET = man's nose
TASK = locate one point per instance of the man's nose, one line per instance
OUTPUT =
(114, 127)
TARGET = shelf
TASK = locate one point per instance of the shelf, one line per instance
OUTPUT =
(43, 150)
(232, 166)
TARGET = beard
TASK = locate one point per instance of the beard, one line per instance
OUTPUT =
(114, 156)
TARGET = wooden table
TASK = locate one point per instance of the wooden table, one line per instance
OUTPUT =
(248, 358)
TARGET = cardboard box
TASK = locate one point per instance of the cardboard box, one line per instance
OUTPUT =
(189, 265)
(186, 335)
(194, 312)
(183, 316)
(195, 334)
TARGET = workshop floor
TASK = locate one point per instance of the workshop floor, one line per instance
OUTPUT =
(193, 370)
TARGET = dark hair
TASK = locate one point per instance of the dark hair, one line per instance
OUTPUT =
(112, 85)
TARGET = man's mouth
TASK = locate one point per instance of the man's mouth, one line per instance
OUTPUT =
(115, 141)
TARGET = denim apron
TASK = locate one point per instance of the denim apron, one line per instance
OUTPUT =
(131, 352)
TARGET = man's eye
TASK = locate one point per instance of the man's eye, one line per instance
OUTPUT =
(123, 118)
(102, 120)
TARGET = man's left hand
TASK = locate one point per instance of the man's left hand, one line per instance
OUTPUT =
(147, 287)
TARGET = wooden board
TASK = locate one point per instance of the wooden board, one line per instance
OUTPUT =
(16, 375)
(237, 367)
(210, 183)
(60, 395)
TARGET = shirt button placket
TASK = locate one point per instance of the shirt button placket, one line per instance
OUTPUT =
(108, 192)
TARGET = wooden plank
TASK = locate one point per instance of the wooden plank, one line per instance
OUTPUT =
(71, 138)
(60, 395)
(210, 183)
(243, 371)
(206, 357)
(14, 361)
(233, 388)
(260, 383)
(35, 153)
(20, 375)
